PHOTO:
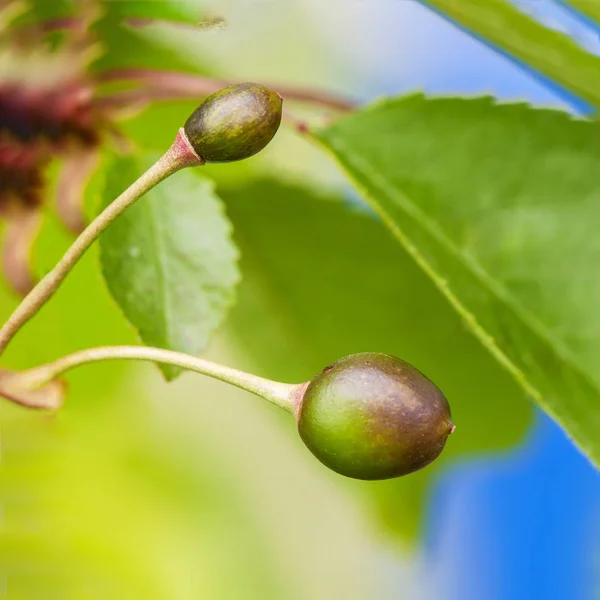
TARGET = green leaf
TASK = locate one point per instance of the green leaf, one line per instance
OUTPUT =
(41, 10)
(550, 52)
(128, 47)
(181, 12)
(499, 205)
(124, 46)
(589, 8)
(169, 261)
(322, 281)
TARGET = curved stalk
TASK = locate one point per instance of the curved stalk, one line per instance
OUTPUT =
(170, 85)
(280, 394)
(179, 156)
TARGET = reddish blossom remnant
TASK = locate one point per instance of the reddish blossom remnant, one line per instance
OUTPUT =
(68, 117)
(21, 179)
(36, 125)
(54, 117)
(52, 112)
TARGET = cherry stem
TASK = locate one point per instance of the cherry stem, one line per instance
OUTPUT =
(170, 85)
(280, 394)
(179, 156)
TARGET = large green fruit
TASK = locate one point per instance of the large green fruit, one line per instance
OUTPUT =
(373, 416)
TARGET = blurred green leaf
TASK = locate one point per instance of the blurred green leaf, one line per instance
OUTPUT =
(589, 8)
(124, 46)
(321, 281)
(41, 10)
(129, 47)
(181, 11)
(169, 261)
(552, 53)
(498, 204)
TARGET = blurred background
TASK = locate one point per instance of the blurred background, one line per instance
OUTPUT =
(142, 489)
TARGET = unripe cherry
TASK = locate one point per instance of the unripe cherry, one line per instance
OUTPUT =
(234, 123)
(373, 416)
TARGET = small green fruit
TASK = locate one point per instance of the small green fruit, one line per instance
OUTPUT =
(373, 416)
(234, 123)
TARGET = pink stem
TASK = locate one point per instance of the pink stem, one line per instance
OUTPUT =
(62, 24)
(168, 85)
(48, 397)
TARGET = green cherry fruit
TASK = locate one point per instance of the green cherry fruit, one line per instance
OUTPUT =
(373, 416)
(234, 123)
